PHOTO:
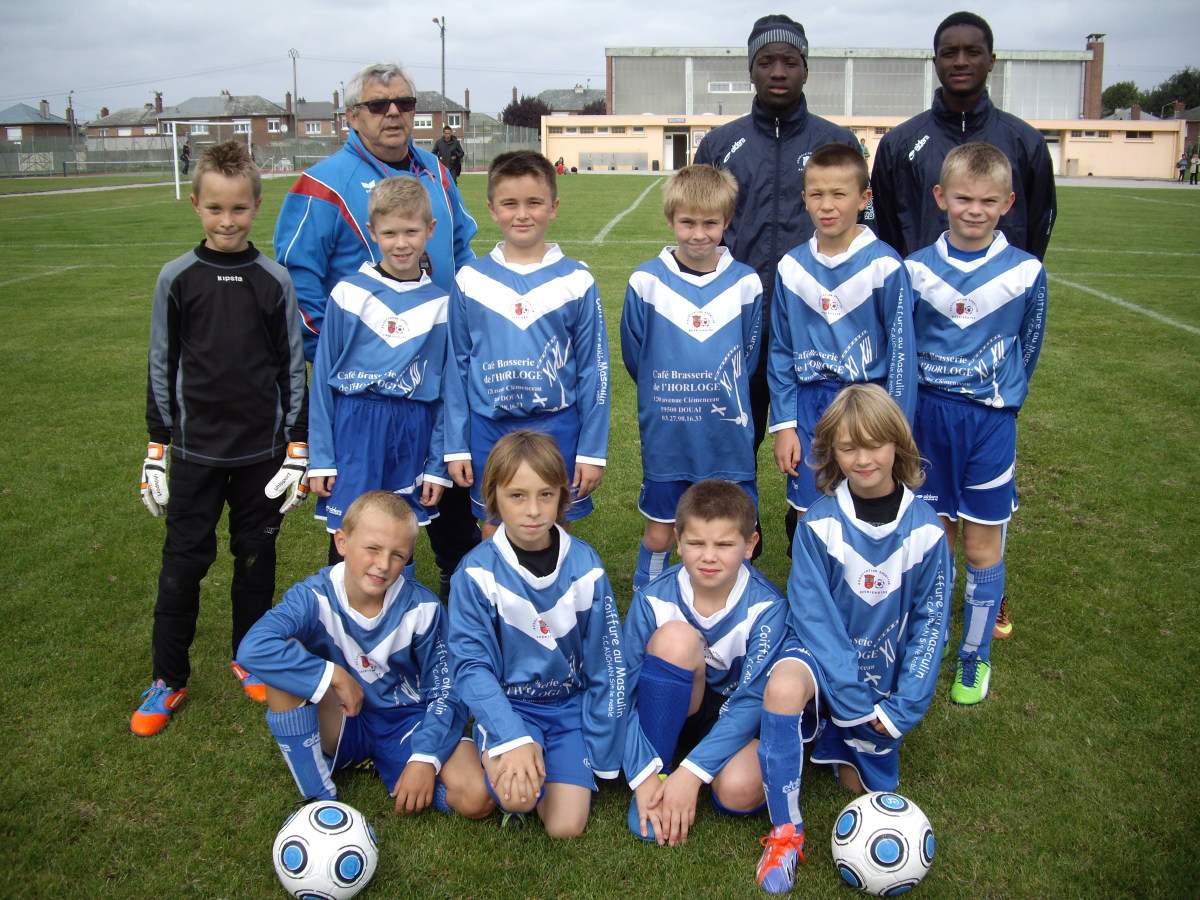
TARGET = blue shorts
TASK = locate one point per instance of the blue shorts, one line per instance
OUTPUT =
(659, 499)
(381, 444)
(381, 735)
(563, 426)
(558, 729)
(972, 454)
(811, 402)
(875, 756)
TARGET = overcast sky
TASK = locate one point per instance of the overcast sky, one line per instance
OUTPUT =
(115, 53)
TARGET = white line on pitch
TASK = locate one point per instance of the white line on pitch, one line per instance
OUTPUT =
(47, 273)
(1125, 304)
(1106, 251)
(603, 232)
(1178, 204)
(76, 212)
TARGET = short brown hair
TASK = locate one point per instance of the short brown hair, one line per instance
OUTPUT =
(871, 418)
(702, 189)
(541, 453)
(517, 164)
(838, 156)
(400, 194)
(386, 502)
(716, 499)
(977, 160)
(230, 159)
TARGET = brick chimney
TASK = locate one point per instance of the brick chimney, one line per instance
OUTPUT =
(44, 109)
(467, 99)
(514, 93)
(1135, 112)
(1178, 106)
(158, 101)
(104, 112)
(336, 105)
(287, 102)
(1093, 78)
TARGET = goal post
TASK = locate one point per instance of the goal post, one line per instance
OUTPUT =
(201, 134)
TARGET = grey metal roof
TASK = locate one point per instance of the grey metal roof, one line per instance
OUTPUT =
(571, 99)
(1126, 113)
(1190, 115)
(316, 109)
(223, 106)
(24, 114)
(431, 101)
(132, 115)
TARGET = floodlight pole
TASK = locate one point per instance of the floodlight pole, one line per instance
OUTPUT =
(440, 22)
(293, 53)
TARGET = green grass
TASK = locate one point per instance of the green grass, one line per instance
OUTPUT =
(75, 182)
(1077, 777)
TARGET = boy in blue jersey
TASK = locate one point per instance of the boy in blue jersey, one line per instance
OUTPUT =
(535, 644)
(699, 640)
(527, 341)
(868, 600)
(690, 340)
(980, 311)
(226, 394)
(841, 315)
(376, 407)
(356, 669)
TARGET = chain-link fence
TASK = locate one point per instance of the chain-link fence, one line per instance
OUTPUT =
(484, 139)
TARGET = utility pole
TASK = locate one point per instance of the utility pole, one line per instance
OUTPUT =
(293, 53)
(440, 22)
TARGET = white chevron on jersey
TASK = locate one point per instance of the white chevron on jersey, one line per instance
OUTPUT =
(874, 581)
(698, 322)
(523, 310)
(392, 328)
(373, 664)
(838, 302)
(964, 311)
(544, 627)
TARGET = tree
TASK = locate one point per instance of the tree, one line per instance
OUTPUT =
(595, 108)
(1183, 85)
(1121, 95)
(525, 113)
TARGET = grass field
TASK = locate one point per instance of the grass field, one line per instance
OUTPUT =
(1077, 777)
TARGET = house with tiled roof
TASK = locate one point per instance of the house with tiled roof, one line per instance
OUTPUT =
(266, 119)
(22, 122)
(570, 101)
(427, 121)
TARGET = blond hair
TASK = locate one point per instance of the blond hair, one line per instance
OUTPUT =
(400, 195)
(230, 159)
(977, 160)
(392, 505)
(540, 452)
(701, 189)
(871, 419)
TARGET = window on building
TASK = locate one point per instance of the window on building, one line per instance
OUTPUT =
(198, 129)
(427, 143)
(454, 120)
(241, 127)
(1092, 135)
(272, 126)
(124, 132)
(570, 129)
(881, 130)
(587, 129)
(602, 129)
(312, 127)
(1139, 135)
(697, 137)
(103, 133)
(14, 134)
(638, 129)
(617, 129)
(555, 129)
(149, 129)
(730, 87)
(423, 120)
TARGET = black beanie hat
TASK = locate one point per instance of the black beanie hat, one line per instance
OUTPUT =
(773, 29)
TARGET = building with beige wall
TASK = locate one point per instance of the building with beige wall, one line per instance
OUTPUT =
(652, 143)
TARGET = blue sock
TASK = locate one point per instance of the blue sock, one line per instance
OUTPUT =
(664, 691)
(981, 604)
(951, 575)
(439, 798)
(781, 755)
(299, 738)
(650, 564)
(736, 813)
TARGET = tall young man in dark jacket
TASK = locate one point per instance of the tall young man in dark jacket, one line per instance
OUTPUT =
(909, 159)
(766, 152)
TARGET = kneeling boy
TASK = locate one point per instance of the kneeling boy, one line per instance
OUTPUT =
(699, 640)
(355, 664)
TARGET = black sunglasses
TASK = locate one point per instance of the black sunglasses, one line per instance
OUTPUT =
(381, 106)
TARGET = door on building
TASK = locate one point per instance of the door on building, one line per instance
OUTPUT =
(679, 150)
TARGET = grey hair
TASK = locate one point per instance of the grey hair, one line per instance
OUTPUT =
(384, 73)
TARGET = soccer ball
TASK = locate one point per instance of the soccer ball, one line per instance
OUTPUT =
(882, 844)
(325, 850)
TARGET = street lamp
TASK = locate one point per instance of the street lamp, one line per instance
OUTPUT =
(440, 22)
(293, 53)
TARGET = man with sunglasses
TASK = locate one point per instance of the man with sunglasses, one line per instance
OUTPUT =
(321, 235)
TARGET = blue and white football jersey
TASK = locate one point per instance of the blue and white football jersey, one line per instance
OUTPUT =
(979, 323)
(741, 641)
(870, 603)
(384, 336)
(516, 636)
(398, 657)
(526, 340)
(690, 343)
(844, 318)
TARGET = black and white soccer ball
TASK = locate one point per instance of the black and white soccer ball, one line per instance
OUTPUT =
(882, 844)
(325, 851)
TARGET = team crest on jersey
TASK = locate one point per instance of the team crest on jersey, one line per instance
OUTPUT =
(541, 630)
(698, 321)
(713, 660)
(831, 306)
(873, 583)
(964, 310)
(523, 310)
(366, 664)
(395, 325)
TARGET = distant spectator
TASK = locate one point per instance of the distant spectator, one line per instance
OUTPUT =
(863, 148)
(1195, 168)
(1182, 165)
(560, 168)
(185, 159)
(450, 151)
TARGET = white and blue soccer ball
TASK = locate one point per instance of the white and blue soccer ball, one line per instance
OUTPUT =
(882, 844)
(325, 851)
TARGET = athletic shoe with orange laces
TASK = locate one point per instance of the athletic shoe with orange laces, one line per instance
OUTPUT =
(254, 688)
(158, 702)
(777, 866)
(1003, 626)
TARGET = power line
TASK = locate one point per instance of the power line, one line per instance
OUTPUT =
(408, 65)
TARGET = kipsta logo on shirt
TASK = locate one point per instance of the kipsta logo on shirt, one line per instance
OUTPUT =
(873, 582)
(831, 305)
(964, 308)
(396, 326)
